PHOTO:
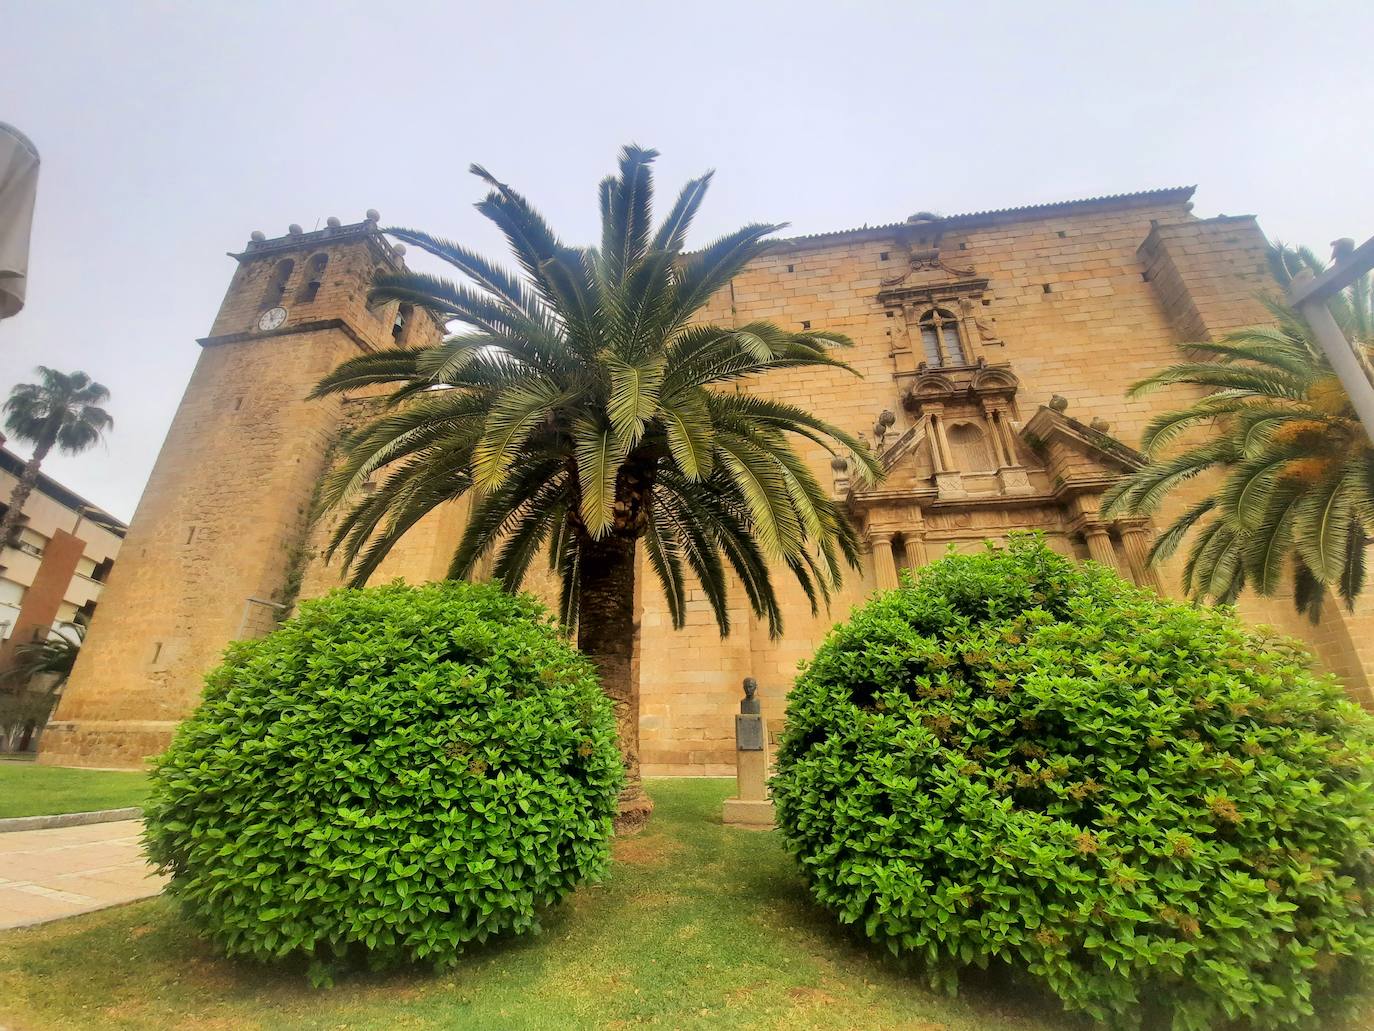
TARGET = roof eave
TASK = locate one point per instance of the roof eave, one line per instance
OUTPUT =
(1002, 216)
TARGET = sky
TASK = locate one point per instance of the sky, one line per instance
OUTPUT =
(170, 131)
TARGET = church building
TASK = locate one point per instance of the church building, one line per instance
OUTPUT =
(995, 347)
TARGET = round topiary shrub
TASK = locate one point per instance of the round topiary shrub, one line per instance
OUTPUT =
(393, 773)
(1149, 807)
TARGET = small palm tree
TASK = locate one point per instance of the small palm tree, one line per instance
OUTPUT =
(52, 657)
(32, 684)
(587, 413)
(1297, 487)
(1353, 307)
(61, 410)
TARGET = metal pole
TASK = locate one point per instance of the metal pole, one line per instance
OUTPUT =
(1309, 294)
(1343, 361)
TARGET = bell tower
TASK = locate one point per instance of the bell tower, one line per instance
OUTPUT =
(219, 535)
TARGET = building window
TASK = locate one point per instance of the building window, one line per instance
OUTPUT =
(314, 279)
(940, 340)
(969, 448)
(276, 289)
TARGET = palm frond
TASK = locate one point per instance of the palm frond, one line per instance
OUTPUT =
(673, 232)
(634, 395)
(1326, 528)
(690, 432)
(599, 455)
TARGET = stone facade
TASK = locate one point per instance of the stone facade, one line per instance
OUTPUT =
(222, 530)
(999, 344)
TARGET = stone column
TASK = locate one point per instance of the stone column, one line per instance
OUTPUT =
(937, 460)
(949, 481)
(992, 418)
(946, 455)
(1008, 438)
(999, 443)
(1100, 546)
(1011, 475)
(916, 553)
(1135, 541)
(884, 566)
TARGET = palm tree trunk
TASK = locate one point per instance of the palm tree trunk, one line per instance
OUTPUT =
(9, 526)
(605, 634)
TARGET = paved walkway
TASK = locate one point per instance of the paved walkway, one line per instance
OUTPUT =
(48, 874)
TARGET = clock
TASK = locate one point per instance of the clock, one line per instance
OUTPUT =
(272, 318)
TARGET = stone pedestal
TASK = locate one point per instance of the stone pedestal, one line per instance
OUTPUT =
(950, 485)
(751, 806)
(1013, 480)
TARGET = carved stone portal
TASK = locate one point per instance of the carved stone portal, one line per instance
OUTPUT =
(967, 470)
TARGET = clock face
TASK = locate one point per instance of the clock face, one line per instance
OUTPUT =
(272, 318)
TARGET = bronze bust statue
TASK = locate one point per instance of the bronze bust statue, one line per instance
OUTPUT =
(750, 704)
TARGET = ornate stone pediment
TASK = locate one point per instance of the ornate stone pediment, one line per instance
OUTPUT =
(927, 270)
(1077, 456)
(967, 385)
(965, 451)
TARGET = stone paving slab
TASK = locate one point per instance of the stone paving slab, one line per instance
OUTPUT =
(58, 872)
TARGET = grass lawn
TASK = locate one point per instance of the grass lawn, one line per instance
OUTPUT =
(27, 789)
(698, 926)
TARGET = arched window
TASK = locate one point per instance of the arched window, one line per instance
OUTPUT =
(276, 288)
(314, 279)
(940, 340)
(969, 448)
(398, 327)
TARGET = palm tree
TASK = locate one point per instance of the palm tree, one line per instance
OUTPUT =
(1352, 307)
(61, 410)
(24, 709)
(585, 412)
(55, 656)
(1297, 486)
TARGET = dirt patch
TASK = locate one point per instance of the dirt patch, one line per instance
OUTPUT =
(737, 995)
(811, 996)
(644, 850)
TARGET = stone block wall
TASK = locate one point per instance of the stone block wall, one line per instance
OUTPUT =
(1081, 300)
(226, 512)
(1209, 274)
(226, 505)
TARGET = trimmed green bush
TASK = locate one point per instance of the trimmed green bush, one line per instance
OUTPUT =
(1150, 808)
(388, 776)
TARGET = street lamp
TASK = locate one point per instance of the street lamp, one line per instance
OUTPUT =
(19, 174)
(1309, 294)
